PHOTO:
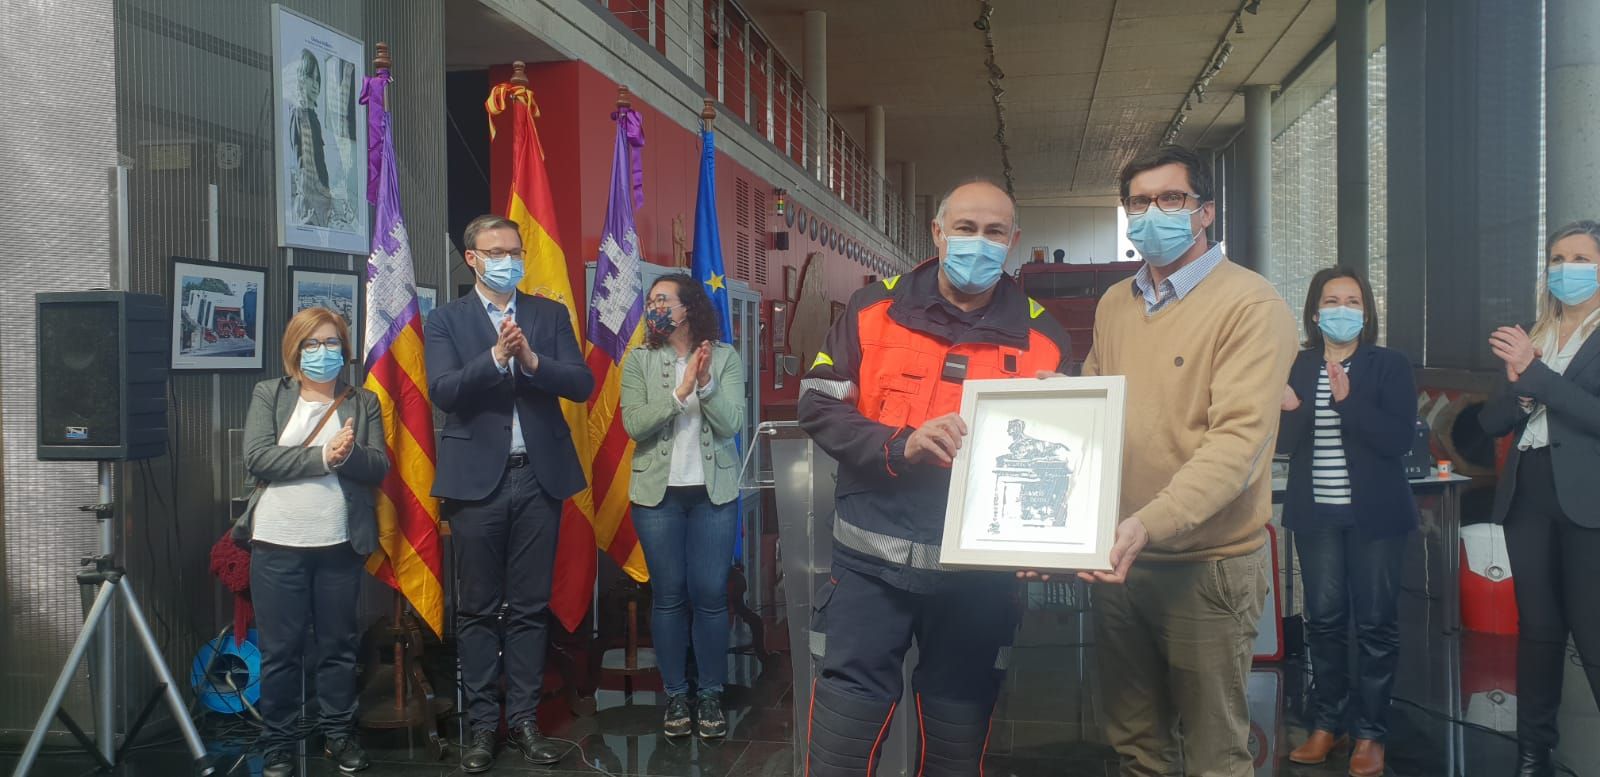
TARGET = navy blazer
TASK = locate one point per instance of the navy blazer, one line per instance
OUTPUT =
(1572, 410)
(1377, 422)
(477, 398)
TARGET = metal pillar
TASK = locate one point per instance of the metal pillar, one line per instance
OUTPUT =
(876, 159)
(1256, 253)
(1572, 115)
(815, 71)
(1350, 35)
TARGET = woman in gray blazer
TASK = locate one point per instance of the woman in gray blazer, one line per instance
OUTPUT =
(1548, 496)
(315, 446)
(683, 403)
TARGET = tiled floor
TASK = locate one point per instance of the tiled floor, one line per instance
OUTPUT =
(1045, 726)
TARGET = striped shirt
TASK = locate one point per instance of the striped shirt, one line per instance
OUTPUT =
(1177, 285)
(1330, 475)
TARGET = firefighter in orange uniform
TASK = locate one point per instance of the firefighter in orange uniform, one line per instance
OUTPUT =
(883, 399)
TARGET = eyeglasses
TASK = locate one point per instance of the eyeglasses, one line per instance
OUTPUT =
(663, 303)
(497, 254)
(312, 344)
(1168, 202)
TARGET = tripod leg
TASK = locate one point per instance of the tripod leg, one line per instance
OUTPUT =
(101, 601)
(180, 713)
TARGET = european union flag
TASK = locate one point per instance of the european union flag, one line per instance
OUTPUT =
(708, 270)
(707, 261)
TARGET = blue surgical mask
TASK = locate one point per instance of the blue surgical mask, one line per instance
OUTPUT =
(501, 275)
(321, 364)
(974, 264)
(1161, 237)
(1573, 284)
(1341, 324)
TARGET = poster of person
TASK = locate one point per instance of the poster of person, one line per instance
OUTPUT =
(336, 290)
(321, 133)
(216, 315)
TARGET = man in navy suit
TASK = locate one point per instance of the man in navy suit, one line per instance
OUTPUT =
(499, 361)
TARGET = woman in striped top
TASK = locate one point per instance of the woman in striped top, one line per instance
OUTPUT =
(1348, 415)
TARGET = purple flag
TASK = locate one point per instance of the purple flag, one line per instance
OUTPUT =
(617, 303)
(391, 285)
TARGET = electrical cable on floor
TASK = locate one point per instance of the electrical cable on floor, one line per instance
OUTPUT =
(1559, 766)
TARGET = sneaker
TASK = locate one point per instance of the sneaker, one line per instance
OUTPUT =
(677, 722)
(278, 763)
(347, 754)
(713, 723)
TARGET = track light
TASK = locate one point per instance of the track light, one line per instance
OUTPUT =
(1238, 26)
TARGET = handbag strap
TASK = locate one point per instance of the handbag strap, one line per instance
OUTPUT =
(332, 412)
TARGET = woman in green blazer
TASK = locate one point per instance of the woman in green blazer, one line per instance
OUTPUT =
(683, 403)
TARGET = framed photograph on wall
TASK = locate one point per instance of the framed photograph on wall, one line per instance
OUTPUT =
(216, 315)
(427, 300)
(336, 290)
(791, 283)
(321, 135)
(1037, 483)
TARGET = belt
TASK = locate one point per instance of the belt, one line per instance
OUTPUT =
(517, 461)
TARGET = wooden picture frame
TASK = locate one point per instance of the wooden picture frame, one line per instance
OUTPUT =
(1037, 483)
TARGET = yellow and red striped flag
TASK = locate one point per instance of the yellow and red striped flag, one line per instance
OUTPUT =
(408, 558)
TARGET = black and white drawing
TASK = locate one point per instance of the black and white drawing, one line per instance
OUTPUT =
(1032, 479)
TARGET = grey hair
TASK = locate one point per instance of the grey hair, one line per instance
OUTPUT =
(484, 223)
(938, 214)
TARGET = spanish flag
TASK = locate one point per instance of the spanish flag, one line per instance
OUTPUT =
(408, 558)
(511, 107)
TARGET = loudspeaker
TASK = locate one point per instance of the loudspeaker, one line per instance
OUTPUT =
(102, 380)
(780, 241)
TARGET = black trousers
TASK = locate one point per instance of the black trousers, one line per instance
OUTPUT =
(1556, 569)
(1350, 577)
(505, 548)
(293, 589)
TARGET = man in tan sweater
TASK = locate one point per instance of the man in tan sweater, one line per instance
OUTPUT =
(1206, 347)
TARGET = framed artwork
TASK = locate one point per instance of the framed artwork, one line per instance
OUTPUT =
(791, 283)
(427, 300)
(337, 290)
(779, 317)
(1037, 484)
(321, 135)
(216, 315)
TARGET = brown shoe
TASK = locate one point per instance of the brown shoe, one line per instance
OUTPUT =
(1367, 760)
(1316, 749)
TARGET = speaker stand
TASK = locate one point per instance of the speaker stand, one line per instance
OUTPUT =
(101, 570)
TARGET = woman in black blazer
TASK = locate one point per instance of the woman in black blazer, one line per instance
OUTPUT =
(1348, 417)
(1549, 494)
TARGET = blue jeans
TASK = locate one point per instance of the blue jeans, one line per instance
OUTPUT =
(688, 545)
(1350, 577)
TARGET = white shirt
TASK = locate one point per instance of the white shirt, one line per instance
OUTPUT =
(1537, 433)
(1330, 474)
(688, 469)
(309, 512)
(496, 315)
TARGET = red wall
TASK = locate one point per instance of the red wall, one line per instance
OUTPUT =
(575, 103)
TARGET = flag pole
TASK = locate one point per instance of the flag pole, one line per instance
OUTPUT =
(382, 61)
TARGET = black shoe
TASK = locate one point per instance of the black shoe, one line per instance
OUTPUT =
(479, 755)
(535, 747)
(1534, 762)
(678, 721)
(347, 754)
(713, 723)
(278, 763)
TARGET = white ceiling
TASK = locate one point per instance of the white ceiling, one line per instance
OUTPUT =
(1089, 83)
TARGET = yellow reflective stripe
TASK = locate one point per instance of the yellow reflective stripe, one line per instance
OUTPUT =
(1035, 310)
(823, 360)
(889, 283)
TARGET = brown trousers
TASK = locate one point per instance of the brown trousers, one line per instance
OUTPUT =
(1174, 652)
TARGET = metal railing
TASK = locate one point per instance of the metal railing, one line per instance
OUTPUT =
(746, 74)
